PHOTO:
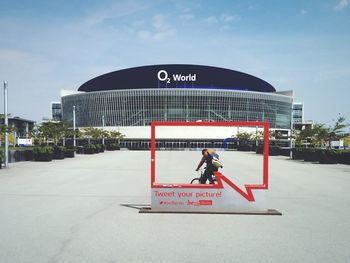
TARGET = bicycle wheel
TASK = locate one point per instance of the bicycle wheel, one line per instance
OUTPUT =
(195, 181)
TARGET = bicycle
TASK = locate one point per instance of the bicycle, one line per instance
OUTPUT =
(198, 179)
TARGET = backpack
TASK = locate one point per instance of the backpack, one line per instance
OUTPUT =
(215, 159)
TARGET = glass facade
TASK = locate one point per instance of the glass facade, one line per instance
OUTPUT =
(56, 109)
(141, 106)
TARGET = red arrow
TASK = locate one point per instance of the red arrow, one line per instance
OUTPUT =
(248, 194)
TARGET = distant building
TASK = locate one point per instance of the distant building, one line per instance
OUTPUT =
(56, 111)
(21, 127)
(128, 100)
(298, 112)
(298, 120)
(134, 97)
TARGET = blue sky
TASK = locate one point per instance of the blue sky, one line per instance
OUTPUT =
(46, 46)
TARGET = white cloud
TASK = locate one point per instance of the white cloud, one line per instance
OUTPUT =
(138, 23)
(253, 7)
(212, 20)
(157, 36)
(116, 10)
(186, 17)
(229, 18)
(161, 29)
(303, 12)
(223, 19)
(164, 34)
(160, 21)
(224, 28)
(186, 10)
(341, 5)
(144, 34)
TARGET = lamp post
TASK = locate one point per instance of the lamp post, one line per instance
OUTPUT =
(74, 139)
(103, 126)
(291, 136)
(256, 135)
(6, 124)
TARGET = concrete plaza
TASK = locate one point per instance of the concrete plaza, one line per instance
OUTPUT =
(70, 211)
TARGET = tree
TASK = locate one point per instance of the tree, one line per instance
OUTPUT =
(5, 129)
(116, 135)
(257, 136)
(70, 133)
(37, 135)
(54, 130)
(93, 133)
(319, 135)
(347, 141)
(337, 131)
(339, 126)
(244, 136)
(275, 136)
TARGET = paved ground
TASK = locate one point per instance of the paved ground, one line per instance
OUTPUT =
(69, 211)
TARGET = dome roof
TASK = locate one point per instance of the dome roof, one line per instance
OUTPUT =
(176, 76)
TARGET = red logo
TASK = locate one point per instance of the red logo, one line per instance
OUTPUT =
(205, 202)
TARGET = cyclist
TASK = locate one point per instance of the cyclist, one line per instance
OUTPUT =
(207, 157)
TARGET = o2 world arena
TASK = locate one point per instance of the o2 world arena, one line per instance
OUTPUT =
(129, 99)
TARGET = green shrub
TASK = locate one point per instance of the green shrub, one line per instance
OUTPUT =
(90, 146)
(43, 150)
(112, 147)
(69, 152)
(59, 148)
(80, 149)
(100, 148)
(90, 149)
(58, 152)
(43, 154)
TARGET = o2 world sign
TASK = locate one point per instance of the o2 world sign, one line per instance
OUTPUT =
(224, 197)
(164, 76)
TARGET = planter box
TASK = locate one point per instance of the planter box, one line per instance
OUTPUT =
(244, 147)
(259, 150)
(284, 152)
(89, 151)
(112, 147)
(298, 154)
(43, 157)
(274, 151)
(69, 154)
(345, 158)
(329, 157)
(80, 150)
(101, 150)
(28, 155)
(58, 155)
(311, 156)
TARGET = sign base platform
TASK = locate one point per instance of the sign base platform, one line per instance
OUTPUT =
(271, 212)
